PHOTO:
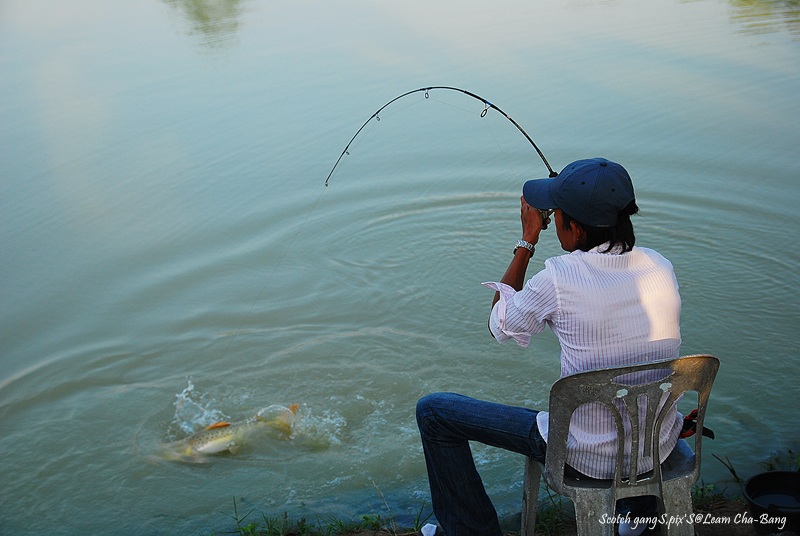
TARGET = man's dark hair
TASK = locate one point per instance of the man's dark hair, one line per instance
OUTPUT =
(620, 235)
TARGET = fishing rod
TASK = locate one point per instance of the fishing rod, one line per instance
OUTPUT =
(487, 105)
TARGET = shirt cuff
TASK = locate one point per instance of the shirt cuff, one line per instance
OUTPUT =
(497, 320)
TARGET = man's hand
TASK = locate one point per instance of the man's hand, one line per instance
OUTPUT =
(532, 225)
(532, 222)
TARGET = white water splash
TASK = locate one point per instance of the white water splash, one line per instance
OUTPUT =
(194, 410)
(318, 431)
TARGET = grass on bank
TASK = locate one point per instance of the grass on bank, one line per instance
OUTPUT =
(554, 518)
(329, 526)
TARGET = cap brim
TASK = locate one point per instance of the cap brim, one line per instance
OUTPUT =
(537, 193)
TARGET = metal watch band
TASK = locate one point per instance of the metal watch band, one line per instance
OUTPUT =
(524, 244)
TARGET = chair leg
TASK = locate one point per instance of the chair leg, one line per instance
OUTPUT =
(589, 510)
(530, 496)
(678, 507)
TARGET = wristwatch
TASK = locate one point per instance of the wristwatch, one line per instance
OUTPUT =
(524, 244)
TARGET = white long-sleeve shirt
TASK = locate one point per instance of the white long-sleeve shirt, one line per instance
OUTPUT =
(606, 309)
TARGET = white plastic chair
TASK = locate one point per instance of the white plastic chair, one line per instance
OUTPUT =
(670, 482)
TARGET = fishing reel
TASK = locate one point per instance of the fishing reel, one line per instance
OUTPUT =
(545, 214)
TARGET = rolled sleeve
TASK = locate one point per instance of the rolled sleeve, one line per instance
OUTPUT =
(519, 315)
(497, 320)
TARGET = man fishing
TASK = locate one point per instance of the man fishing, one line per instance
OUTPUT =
(610, 303)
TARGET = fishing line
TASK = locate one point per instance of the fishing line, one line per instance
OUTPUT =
(378, 119)
(502, 152)
(272, 273)
(488, 127)
(459, 108)
(486, 107)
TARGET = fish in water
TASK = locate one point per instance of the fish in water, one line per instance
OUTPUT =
(225, 436)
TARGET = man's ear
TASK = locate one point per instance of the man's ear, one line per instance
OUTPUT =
(577, 232)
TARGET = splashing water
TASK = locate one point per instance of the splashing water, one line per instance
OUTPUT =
(193, 410)
(318, 431)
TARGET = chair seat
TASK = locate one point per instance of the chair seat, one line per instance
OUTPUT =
(678, 464)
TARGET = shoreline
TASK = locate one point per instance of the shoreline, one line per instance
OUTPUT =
(718, 510)
(715, 514)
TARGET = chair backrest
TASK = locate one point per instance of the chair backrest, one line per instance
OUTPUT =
(660, 384)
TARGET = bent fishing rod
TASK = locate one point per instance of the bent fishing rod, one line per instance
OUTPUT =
(487, 105)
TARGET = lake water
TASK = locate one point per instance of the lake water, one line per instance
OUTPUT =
(170, 256)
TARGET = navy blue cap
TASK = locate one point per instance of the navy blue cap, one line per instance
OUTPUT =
(592, 191)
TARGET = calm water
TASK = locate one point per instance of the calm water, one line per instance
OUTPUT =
(169, 255)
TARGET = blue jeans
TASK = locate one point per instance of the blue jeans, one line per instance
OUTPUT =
(447, 422)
